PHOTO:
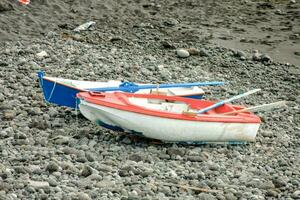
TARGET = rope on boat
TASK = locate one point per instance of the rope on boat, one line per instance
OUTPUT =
(52, 91)
(76, 112)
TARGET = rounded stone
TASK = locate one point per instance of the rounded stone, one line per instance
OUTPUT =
(182, 53)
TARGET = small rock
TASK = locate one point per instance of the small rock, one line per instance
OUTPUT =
(194, 158)
(193, 51)
(135, 157)
(203, 52)
(52, 167)
(292, 1)
(39, 184)
(8, 132)
(126, 140)
(86, 171)
(272, 193)
(296, 194)
(279, 182)
(297, 53)
(105, 184)
(61, 140)
(30, 189)
(182, 53)
(265, 58)
(240, 53)
(20, 170)
(278, 12)
(52, 182)
(167, 45)
(5, 6)
(171, 22)
(205, 196)
(90, 156)
(256, 56)
(42, 54)
(267, 133)
(176, 151)
(9, 114)
(83, 196)
(230, 196)
(21, 136)
(266, 185)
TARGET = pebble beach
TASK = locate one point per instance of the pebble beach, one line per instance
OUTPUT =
(52, 152)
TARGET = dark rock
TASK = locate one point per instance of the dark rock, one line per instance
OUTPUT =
(90, 156)
(176, 151)
(167, 45)
(86, 171)
(194, 158)
(297, 53)
(52, 167)
(204, 53)
(265, 58)
(135, 157)
(5, 6)
(170, 22)
(279, 182)
(272, 193)
(240, 54)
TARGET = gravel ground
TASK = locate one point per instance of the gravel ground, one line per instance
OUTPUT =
(50, 152)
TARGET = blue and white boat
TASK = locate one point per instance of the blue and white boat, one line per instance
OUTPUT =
(63, 92)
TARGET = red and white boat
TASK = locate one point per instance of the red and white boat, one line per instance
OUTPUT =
(168, 118)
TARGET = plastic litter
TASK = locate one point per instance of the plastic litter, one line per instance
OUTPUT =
(85, 26)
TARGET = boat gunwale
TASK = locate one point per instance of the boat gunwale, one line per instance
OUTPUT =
(85, 90)
(127, 106)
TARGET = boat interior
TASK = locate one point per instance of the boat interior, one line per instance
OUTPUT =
(180, 107)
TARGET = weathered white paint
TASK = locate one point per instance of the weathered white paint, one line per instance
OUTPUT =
(181, 91)
(170, 129)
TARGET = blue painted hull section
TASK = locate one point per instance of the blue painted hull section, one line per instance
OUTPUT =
(59, 94)
(63, 95)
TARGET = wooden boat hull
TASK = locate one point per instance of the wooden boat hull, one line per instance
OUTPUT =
(63, 91)
(168, 129)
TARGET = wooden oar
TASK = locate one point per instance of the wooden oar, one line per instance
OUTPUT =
(220, 103)
(264, 107)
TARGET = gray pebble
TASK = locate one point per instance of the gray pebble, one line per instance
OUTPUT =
(176, 151)
(203, 52)
(83, 196)
(240, 53)
(52, 167)
(39, 184)
(86, 171)
(265, 58)
(90, 156)
(135, 157)
(279, 182)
